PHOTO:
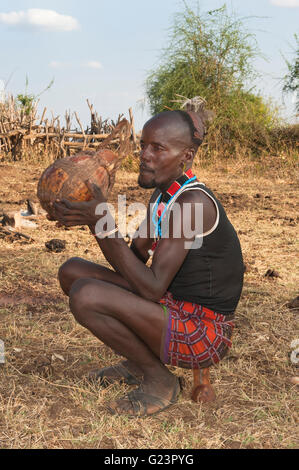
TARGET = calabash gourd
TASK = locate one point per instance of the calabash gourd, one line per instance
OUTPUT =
(66, 177)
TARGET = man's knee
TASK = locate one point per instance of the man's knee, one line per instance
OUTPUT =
(67, 273)
(81, 299)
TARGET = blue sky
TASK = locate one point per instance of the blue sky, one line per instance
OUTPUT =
(103, 50)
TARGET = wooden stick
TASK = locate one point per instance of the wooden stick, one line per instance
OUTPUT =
(43, 115)
(7, 140)
(79, 145)
(82, 130)
(39, 135)
(5, 135)
(62, 145)
(202, 390)
(132, 125)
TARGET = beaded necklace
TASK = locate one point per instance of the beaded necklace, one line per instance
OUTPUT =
(163, 201)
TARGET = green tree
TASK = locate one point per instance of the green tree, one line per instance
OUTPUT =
(291, 80)
(210, 55)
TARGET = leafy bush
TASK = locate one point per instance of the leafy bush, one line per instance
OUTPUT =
(292, 78)
(28, 102)
(210, 55)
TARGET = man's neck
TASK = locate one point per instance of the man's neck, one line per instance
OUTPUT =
(165, 186)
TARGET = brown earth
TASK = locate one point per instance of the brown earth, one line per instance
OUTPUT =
(45, 399)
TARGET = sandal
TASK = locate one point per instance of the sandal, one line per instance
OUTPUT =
(140, 401)
(102, 378)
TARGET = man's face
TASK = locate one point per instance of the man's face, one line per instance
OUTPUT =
(163, 146)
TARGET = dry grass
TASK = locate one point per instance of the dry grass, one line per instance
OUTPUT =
(45, 400)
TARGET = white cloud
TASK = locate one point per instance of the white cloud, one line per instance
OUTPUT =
(55, 65)
(285, 3)
(41, 20)
(93, 64)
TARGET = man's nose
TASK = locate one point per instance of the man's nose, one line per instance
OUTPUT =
(145, 153)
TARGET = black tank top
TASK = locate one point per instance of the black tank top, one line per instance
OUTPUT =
(212, 275)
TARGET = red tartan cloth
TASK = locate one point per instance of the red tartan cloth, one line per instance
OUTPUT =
(195, 337)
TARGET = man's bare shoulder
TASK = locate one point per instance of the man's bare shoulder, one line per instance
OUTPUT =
(209, 210)
(194, 196)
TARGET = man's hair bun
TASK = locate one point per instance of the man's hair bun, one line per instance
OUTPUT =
(194, 111)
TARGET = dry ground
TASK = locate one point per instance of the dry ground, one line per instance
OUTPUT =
(45, 400)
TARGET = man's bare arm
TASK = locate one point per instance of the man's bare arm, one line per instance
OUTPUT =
(152, 282)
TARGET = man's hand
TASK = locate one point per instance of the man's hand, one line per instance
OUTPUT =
(70, 214)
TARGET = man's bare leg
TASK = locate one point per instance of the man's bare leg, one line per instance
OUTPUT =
(131, 325)
(79, 268)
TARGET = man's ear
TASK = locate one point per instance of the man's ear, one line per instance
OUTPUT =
(189, 155)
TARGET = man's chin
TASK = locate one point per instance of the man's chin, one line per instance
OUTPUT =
(146, 183)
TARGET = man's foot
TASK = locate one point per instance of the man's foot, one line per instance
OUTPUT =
(124, 372)
(148, 399)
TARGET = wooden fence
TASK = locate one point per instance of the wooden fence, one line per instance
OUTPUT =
(23, 133)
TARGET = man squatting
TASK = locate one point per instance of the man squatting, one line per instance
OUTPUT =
(179, 311)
